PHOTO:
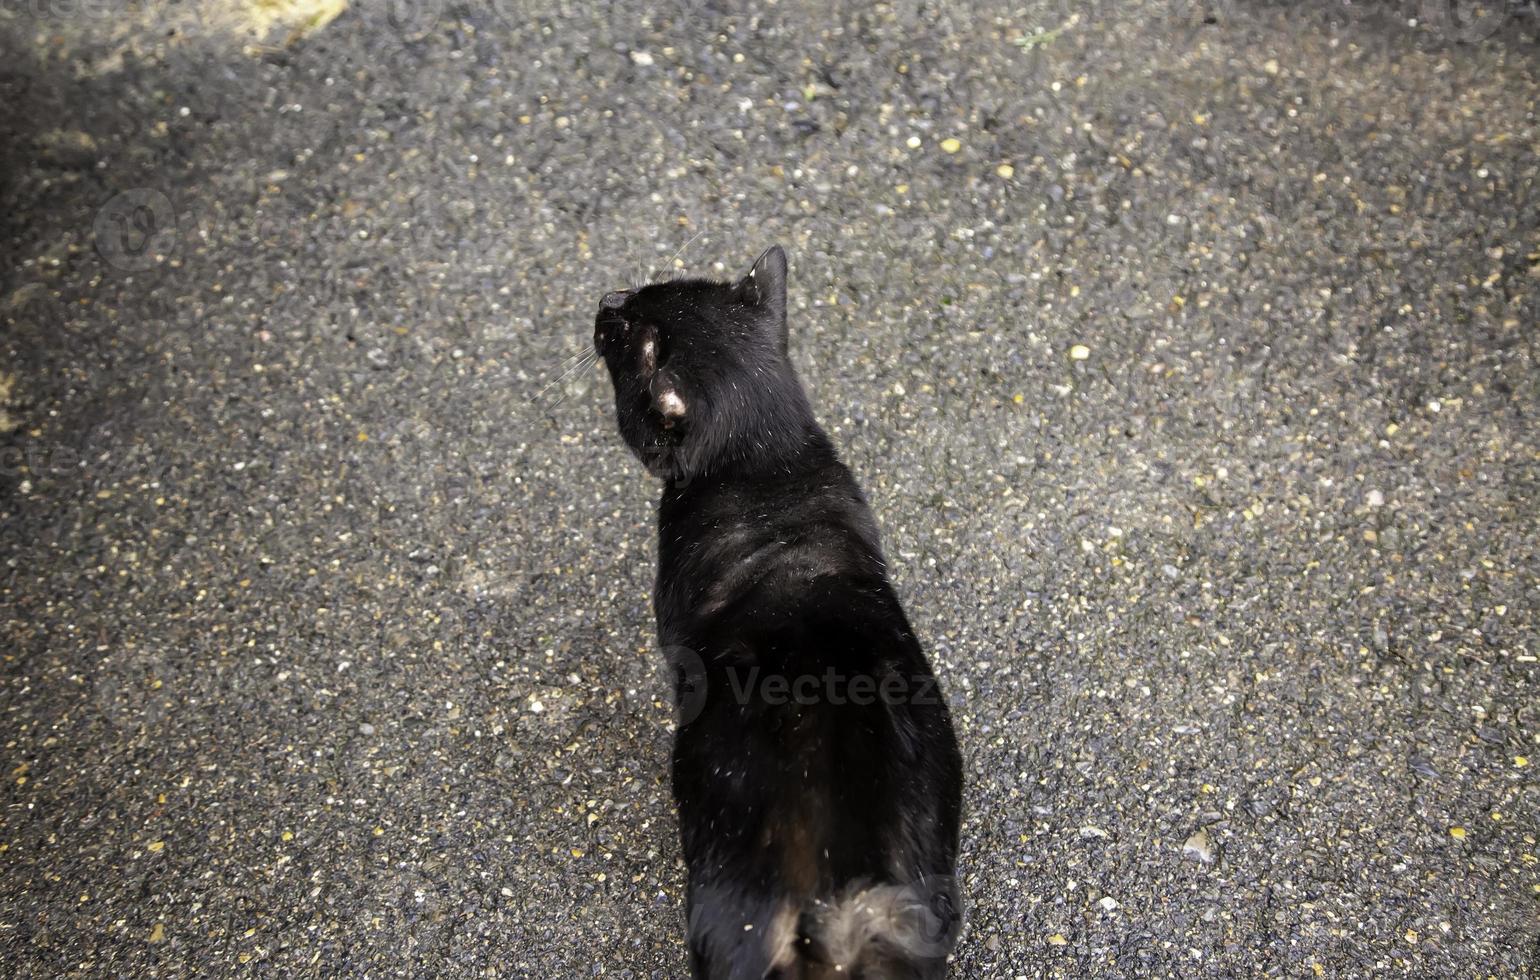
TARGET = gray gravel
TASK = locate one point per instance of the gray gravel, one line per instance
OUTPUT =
(1195, 385)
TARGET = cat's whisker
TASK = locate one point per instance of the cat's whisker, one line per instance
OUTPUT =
(584, 365)
(560, 397)
(565, 391)
(669, 265)
(639, 265)
(585, 361)
(573, 367)
(571, 359)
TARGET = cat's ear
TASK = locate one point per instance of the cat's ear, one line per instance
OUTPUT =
(666, 399)
(765, 287)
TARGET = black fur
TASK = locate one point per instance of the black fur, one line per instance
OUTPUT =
(816, 770)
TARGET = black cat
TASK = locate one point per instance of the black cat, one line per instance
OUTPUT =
(817, 774)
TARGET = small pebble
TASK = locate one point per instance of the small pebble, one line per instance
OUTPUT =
(1199, 847)
(951, 145)
(1079, 352)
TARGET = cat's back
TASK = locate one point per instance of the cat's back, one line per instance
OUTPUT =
(820, 754)
(763, 545)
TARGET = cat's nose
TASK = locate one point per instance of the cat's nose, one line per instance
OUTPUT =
(615, 300)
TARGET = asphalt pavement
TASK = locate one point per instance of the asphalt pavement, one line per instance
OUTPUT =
(1188, 352)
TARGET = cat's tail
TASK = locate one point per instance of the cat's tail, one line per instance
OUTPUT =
(871, 932)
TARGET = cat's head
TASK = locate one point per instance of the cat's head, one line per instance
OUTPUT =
(700, 368)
